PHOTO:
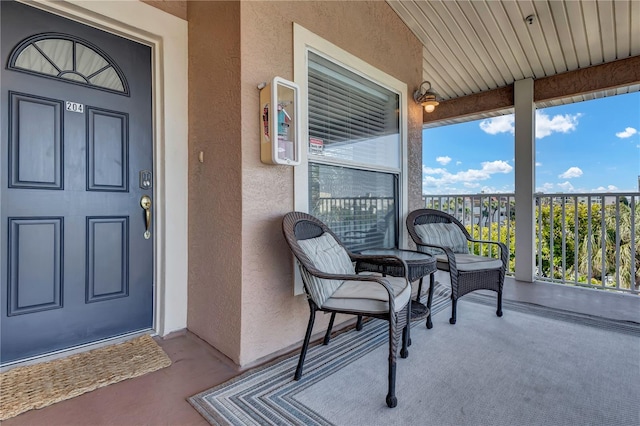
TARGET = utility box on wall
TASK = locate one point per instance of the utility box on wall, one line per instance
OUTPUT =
(280, 122)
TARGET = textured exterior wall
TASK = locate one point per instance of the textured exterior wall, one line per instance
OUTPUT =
(215, 191)
(273, 319)
(175, 7)
(240, 276)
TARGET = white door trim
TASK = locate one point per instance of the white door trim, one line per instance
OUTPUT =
(167, 35)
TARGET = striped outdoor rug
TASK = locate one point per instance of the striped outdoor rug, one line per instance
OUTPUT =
(268, 395)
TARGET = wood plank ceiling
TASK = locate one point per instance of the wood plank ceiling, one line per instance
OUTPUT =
(473, 46)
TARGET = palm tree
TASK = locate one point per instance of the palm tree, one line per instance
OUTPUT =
(616, 238)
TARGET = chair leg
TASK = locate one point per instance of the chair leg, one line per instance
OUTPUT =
(429, 299)
(327, 336)
(406, 334)
(406, 342)
(499, 311)
(359, 323)
(454, 302)
(392, 401)
(305, 345)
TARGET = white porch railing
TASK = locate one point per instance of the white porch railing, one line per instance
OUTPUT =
(582, 239)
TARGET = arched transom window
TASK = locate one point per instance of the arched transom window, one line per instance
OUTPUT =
(70, 59)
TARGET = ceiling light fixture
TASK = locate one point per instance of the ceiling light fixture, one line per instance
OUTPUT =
(427, 98)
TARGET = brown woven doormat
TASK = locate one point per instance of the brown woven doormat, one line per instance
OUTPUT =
(39, 385)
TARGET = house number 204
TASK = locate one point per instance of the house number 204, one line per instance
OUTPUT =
(74, 107)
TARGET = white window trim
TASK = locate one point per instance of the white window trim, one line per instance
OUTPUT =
(303, 42)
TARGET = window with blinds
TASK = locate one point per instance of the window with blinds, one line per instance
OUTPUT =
(354, 155)
(351, 118)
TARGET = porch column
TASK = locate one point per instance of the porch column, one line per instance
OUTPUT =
(524, 179)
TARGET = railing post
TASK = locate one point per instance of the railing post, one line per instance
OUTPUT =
(524, 179)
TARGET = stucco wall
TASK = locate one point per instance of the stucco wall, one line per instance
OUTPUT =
(175, 7)
(215, 190)
(272, 318)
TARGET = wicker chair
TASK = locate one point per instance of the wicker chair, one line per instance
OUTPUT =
(332, 285)
(442, 235)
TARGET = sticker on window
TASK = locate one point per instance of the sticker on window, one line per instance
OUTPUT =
(315, 146)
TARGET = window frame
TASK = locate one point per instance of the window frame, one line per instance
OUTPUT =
(305, 41)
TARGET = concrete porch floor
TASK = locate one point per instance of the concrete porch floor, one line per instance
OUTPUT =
(159, 398)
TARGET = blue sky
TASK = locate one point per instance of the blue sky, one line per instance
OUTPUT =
(591, 146)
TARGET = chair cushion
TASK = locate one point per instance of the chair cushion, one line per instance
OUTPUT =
(442, 234)
(369, 297)
(327, 255)
(468, 262)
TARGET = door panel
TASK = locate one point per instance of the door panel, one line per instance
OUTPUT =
(35, 241)
(35, 152)
(108, 148)
(107, 254)
(74, 139)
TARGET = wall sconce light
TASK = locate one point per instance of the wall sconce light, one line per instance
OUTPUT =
(427, 98)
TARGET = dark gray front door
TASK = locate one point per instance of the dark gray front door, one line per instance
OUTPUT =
(76, 160)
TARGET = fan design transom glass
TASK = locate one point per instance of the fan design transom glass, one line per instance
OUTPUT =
(69, 59)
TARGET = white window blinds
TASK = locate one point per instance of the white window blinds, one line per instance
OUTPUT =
(351, 118)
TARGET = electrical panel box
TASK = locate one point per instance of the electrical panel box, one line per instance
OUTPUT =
(280, 122)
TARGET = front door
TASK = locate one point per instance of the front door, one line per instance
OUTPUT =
(77, 244)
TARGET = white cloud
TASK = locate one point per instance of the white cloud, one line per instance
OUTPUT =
(572, 172)
(442, 179)
(443, 160)
(458, 163)
(609, 188)
(498, 166)
(566, 186)
(432, 171)
(627, 133)
(545, 125)
(501, 124)
(538, 164)
(494, 190)
(546, 187)
(558, 123)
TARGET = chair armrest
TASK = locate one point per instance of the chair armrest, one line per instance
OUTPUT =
(487, 242)
(348, 277)
(365, 278)
(451, 258)
(503, 248)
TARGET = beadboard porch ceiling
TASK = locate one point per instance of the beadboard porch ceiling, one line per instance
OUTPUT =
(473, 46)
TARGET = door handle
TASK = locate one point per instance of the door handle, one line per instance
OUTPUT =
(145, 203)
